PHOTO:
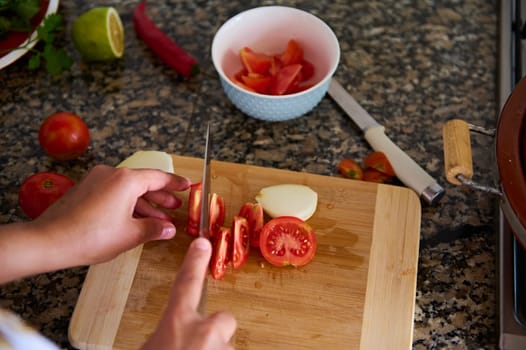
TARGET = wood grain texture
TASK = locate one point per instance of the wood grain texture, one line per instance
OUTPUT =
(363, 274)
(101, 302)
(457, 150)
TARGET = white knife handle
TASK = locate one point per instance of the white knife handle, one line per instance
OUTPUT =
(406, 169)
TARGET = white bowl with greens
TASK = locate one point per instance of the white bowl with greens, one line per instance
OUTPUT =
(14, 54)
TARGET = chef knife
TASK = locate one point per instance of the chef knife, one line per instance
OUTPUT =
(406, 169)
(204, 218)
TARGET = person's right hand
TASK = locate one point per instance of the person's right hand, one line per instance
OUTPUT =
(181, 326)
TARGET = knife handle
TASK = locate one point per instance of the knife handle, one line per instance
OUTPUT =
(406, 169)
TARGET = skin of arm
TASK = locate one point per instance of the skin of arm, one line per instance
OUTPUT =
(182, 327)
(108, 212)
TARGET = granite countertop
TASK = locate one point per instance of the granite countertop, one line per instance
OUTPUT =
(412, 64)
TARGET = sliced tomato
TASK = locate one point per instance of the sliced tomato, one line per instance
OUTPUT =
(217, 213)
(373, 175)
(307, 70)
(294, 85)
(255, 62)
(378, 160)
(238, 76)
(350, 169)
(194, 209)
(237, 79)
(257, 82)
(289, 71)
(244, 86)
(220, 252)
(240, 241)
(281, 82)
(299, 88)
(293, 53)
(253, 212)
(287, 240)
(275, 65)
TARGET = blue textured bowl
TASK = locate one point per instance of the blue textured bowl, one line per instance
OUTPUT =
(280, 24)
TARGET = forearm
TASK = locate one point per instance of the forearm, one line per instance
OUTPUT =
(26, 250)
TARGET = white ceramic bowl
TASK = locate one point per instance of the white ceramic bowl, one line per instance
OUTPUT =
(16, 54)
(268, 29)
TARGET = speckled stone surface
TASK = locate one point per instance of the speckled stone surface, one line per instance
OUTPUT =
(412, 64)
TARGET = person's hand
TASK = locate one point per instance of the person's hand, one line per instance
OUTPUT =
(181, 326)
(110, 211)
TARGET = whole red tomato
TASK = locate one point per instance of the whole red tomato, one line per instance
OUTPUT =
(64, 136)
(40, 190)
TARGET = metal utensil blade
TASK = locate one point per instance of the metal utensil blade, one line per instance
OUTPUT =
(204, 218)
(406, 169)
(205, 189)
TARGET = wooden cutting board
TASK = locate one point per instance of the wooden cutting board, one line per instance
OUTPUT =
(357, 293)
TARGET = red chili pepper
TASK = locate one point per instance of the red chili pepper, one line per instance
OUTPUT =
(164, 47)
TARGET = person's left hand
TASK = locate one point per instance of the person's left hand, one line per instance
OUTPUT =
(110, 211)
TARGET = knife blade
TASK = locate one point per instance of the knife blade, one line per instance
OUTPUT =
(204, 218)
(406, 169)
(205, 188)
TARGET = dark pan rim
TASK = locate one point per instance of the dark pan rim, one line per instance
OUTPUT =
(510, 159)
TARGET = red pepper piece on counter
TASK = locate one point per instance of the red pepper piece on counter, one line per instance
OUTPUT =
(164, 47)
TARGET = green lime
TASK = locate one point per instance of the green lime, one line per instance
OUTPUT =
(98, 34)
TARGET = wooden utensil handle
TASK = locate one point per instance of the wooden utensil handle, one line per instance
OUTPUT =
(457, 150)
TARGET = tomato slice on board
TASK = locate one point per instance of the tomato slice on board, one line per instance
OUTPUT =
(194, 209)
(378, 160)
(350, 169)
(293, 53)
(287, 240)
(253, 212)
(217, 213)
(240, 241)
(281, 81)
(373, 175)
(220, 253)
(255, 62)
(40, 190)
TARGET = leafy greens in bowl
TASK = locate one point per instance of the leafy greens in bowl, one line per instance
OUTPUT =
(15, 44)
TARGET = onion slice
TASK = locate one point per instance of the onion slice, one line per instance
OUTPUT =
(288, 200)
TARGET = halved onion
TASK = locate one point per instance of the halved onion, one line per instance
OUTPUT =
(288, 200)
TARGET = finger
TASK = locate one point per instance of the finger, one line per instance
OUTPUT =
(92, 178)
(149, 229)
(188, 284)
(224, 323)
(99, 171)
(163, 199)
(150, 180)
(144, 209)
